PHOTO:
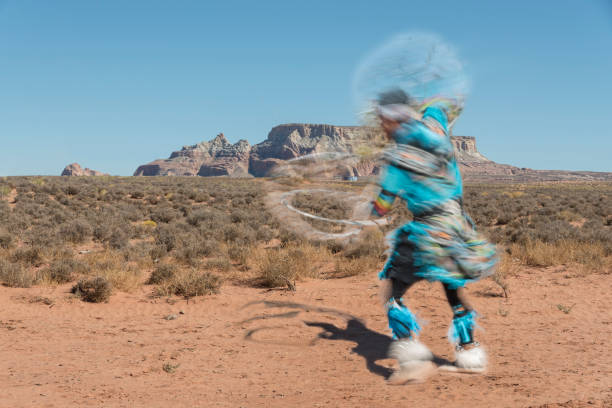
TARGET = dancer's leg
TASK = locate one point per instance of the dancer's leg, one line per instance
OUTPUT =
(471, 357)
(413, 357)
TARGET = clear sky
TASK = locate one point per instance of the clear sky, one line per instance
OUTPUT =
(114, 84)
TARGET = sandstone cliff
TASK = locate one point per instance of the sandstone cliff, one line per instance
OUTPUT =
(289, 141)
(219, 157)
(75, 169)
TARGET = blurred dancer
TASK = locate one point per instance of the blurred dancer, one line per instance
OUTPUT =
(440, 244)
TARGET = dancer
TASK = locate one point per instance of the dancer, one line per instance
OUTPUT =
(440, 244)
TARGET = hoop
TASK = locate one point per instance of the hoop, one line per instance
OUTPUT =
(360, 223)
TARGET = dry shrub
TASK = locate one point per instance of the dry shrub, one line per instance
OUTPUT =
(282, 266)
(6, 239)
(64, 270)
(112, 266)
(31, 256)
(15, 276)
(370, 243)
(196, 284)
(194, 248)
(513, 194)
(590, 255)
(166, 237)
(118, 239)
(158, 252)
(344, 267)
(238, 252)
(77, 231)
(190, 283)
(505, 268)
(95, 290)
(221, 264)
(162, 273)
(323, 205)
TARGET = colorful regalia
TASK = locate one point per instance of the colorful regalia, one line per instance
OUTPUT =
(441, 243)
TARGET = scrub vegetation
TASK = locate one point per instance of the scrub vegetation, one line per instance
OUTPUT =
(183, 236)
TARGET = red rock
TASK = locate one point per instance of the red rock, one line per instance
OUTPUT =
(75, 169)
(219, 157)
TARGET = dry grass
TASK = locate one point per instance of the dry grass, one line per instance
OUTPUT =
(282, 266)
(110, 265)
(344, 268)
(16, 276)
(588, 257)
(506, 268)
(189, 283)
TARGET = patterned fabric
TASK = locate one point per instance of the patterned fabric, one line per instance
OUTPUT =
(441, 244)
(421, 167)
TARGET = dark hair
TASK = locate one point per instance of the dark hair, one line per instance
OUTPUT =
(394, 96)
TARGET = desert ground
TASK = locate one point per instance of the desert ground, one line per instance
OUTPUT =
(195, 292)
(321, 345)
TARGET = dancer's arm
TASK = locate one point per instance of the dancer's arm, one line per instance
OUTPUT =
(383, 203)
(430, 133)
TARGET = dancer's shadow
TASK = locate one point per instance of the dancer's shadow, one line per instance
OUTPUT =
(372, 346)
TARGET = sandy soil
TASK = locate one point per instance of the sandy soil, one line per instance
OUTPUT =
(323, 345)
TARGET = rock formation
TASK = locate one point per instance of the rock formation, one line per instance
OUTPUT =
(289, 141)
(219, 157)
(75, 169)
(466, 151)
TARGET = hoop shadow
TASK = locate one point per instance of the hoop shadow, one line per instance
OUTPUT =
(370, 345)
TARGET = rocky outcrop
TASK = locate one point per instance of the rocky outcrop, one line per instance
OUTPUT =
(466, 151)
(217, 157)
(286, 142)
(75, 169)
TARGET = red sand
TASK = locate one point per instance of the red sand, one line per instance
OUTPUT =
(323, 345)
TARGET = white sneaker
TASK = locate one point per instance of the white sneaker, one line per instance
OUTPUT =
(471, 360)
(415, 362)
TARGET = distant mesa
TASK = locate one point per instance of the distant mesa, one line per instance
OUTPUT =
(75, 169)
(219, 157)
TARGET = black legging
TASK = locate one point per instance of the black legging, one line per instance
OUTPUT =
(454, 296)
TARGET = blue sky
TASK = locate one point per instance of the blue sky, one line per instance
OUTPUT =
(115, 84)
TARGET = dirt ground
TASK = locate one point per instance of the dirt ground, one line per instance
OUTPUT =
(323, 345)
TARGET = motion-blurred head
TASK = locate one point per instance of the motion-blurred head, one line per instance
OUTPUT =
(394, 108)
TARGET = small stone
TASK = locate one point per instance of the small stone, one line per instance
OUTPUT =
(171, 317)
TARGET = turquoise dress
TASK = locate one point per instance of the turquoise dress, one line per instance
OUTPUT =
(441, 243)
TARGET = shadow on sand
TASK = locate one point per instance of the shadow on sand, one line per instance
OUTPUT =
(370, 345)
